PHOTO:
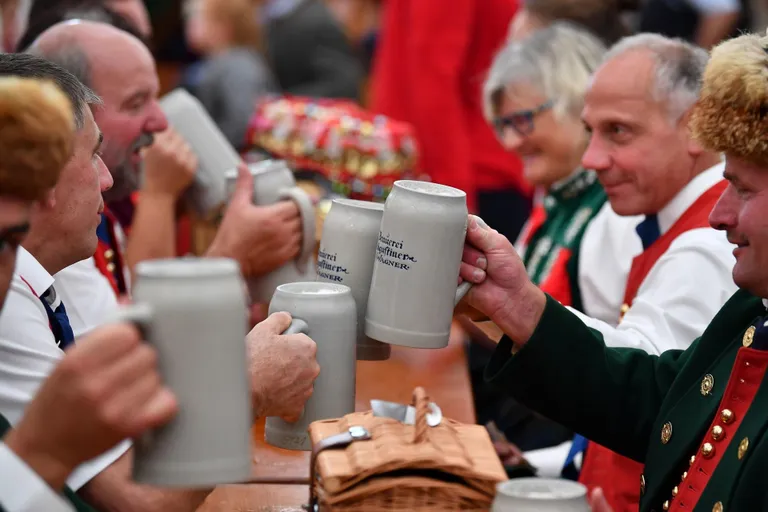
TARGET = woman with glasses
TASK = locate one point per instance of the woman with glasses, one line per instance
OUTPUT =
(533, 97)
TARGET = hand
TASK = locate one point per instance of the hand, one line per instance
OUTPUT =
(502, 289)
(283, 369)
(260, 238)
(598, 502)
(169, 165)
(104, 390)
(509, 454)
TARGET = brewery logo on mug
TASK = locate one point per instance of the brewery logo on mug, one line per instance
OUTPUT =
(389, 252)
(328, 268)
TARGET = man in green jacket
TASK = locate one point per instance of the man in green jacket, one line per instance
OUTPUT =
(696, 418)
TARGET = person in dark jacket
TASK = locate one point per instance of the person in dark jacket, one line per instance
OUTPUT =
(309, 53)
(234, 74)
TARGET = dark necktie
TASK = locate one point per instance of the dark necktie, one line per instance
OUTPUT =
(569, 468)
(58, 319)
(760, 338)
(648, 230)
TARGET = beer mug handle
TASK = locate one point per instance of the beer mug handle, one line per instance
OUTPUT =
(297, 326)
(139, 314)
(308, 222)
(461, 291)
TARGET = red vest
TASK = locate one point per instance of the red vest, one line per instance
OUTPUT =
(109, 257)
(619, 476)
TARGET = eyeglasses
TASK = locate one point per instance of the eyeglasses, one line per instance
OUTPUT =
(520, 121)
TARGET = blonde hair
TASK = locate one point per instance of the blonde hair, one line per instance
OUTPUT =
(730, 115)
(557, 60)
(37, 132)
(241, 16)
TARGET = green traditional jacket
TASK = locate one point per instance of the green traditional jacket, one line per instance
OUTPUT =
(74, 499)
(658, 410)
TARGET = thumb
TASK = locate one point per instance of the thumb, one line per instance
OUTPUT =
(243, 193)
(479, 234)
(276, 323)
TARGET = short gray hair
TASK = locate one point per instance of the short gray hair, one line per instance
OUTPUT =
(678, 73)
(558, 61)
(31, 66)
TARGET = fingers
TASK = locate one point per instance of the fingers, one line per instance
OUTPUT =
(479, 234)
(122, 407)
(471, 273)
(474, 258)
(480, 221)
(292, 417)
(158, 410)
(276, 323)
(291, 247)
(131, 368)
(293, 226)
(309, 347)
(285, 210)
(104, 345)
(243, 194)
(598, 502)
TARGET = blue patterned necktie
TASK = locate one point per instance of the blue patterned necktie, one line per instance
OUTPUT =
(58, 319)
(648, 230)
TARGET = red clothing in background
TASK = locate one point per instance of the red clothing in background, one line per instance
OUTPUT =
(430, 65)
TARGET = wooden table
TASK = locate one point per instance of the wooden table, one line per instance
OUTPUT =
(443, 373)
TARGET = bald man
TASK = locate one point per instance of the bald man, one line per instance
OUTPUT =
(260, 238)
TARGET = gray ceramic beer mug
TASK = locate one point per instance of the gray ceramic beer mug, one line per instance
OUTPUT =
(347, 253)
(418, 255)
(540, 495)
(326, 313)
(193, 312)
(273, 181)
(215, 155)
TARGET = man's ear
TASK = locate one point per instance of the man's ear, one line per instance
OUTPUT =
(694, 148)
(47, 201)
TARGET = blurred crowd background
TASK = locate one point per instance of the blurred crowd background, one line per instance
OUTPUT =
(421, 62)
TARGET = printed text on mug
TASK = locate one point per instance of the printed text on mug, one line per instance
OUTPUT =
(387, 253)
(325, 265)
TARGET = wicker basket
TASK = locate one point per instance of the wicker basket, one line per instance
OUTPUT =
(450, 466)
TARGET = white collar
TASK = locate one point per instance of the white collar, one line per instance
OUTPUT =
(688, 195)
(32, 272)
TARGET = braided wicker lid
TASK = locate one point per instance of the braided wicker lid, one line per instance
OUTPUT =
(451, 466)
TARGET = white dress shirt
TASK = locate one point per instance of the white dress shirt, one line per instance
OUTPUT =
(684, 289)
(22, 490)
(605, 256)
(607, 248)
(87, 295)
(28, 353)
